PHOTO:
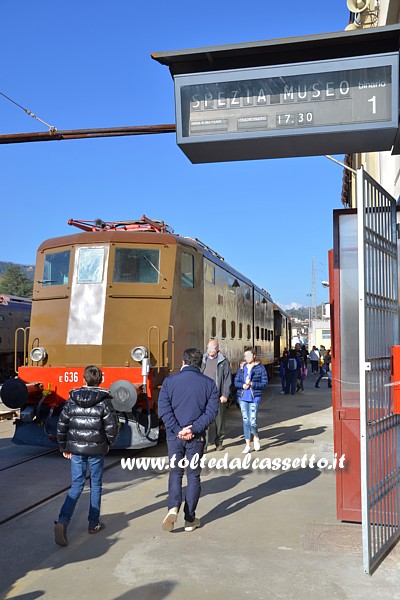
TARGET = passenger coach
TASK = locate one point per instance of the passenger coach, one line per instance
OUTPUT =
(15, 313)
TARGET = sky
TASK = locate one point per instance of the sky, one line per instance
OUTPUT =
(88, 65)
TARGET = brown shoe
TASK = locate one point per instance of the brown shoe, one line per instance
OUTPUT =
(60, 534)
(96, 528)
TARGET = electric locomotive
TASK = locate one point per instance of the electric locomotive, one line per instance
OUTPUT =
(129, 296)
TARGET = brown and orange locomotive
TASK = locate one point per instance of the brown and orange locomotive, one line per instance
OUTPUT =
(130, 297)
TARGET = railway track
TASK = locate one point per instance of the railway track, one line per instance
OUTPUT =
(29, 458)
(26, 487)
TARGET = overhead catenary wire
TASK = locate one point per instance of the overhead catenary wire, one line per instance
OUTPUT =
(29, 112)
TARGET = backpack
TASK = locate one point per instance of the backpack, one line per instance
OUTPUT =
(292, 364)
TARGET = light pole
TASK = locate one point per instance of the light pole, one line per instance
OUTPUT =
(324, 284)
(309, 319)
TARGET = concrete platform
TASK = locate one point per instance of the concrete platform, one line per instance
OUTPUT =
(266, 534)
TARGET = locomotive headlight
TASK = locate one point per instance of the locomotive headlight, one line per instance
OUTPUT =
(37, 354)
(139, 353)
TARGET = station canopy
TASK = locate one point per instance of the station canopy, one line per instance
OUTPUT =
(321, 94)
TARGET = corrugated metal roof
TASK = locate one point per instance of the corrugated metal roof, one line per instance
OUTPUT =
(326, 46)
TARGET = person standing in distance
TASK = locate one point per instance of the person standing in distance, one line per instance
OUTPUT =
(251, 378)
(187, 404)
(87, 427)
(216, 366)
(314, 359)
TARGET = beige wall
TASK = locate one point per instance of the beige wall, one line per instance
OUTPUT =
(384, 167)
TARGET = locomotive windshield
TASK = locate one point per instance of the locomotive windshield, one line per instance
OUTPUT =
(56, 269)
(90, 265)
(136, 265)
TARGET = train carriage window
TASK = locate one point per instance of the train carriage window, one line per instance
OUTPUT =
(56, 269)
(136, 265)
(257, 333)
(233, 330)
(248, 332)
(223, 333)
(90, 265)
(262, 334)
(213, 327)
(240, 330)
(187, 270)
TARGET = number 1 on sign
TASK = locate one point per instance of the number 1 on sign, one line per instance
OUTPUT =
(373, 101)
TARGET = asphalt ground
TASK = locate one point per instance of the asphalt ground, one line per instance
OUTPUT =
(265, 534)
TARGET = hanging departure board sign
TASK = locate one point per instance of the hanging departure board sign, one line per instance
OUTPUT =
(344, 105)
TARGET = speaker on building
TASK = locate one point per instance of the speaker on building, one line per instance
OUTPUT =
(351, 27)
(357, 6)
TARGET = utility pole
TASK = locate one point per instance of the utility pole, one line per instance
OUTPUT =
(314, 291)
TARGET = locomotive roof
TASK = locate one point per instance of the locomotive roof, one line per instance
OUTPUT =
(144, 237)
(110, 235)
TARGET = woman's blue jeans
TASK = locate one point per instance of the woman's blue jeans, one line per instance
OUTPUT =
(79, 466)
(249, 416)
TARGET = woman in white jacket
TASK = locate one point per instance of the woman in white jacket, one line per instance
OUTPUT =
(314, 359)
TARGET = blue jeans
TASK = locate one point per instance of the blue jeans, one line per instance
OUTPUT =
(291, 382)
(323, 373)
(249, 416)
(181, 449)
(78, 473)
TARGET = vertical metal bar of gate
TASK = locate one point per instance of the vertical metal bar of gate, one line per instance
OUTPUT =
(378, 331)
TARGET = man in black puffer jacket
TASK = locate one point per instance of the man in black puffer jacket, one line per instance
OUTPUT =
(87, 427)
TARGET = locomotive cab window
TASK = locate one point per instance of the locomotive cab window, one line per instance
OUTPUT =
(187, 270)
(136, 265)
(90, 265)
(56, 269)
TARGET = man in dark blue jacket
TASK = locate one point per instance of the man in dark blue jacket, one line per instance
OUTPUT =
(188, 404)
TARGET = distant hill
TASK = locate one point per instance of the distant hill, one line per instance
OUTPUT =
(28, 270)
(303, 312)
